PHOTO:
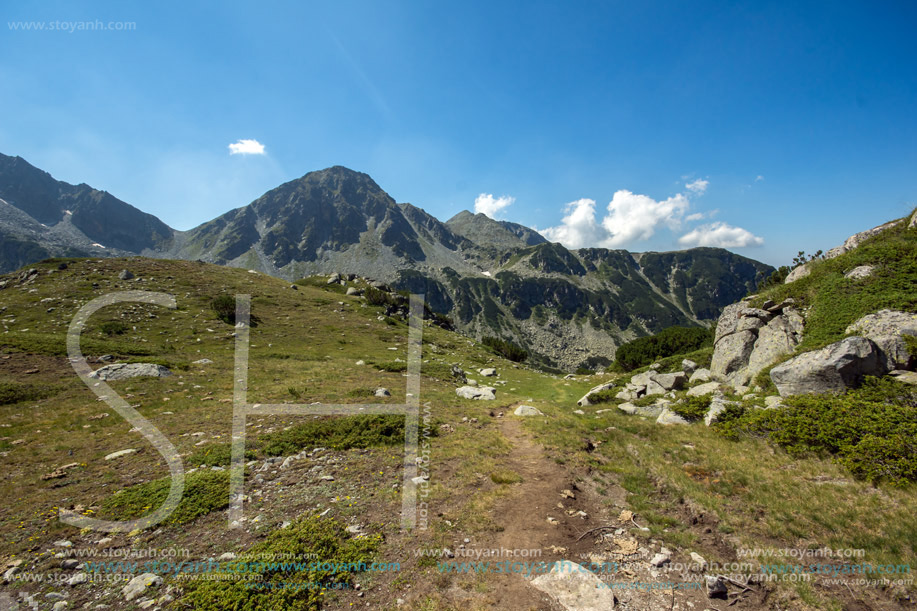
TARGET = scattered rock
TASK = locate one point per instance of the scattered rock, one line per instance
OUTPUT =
(527, 410)
(716, 586)
(201, 362)
(382, 392)
(138, 585)
(575, 588)
(834, 368)
(907, 377)
(124, 371)
(125, 275)
(798, 273)
(660, 559)
(488, 372)
(698, 560)
(700, 375)
(120, 453)
(484, 393)
(78, 579)
(688, 366)
(773, 401)
(354, 291)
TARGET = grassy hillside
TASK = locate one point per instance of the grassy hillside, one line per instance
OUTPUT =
(494, 478)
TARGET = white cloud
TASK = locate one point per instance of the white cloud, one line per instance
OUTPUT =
(578, 228)
(698, 186)
(694, 217)
(759, 178)
(486, 203)
(720, 235)
(630, 217)
(246, 147)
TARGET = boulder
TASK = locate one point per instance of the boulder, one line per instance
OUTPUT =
(484, 393)
(906, 377)
(688, 366)
(138, 585)
(527, 410)
(798, 273)
(354, 291)
(575, 588)
(650, 411)
(886, 328)
(859, 272)
(717, 407)
(124, 371)
(488, 372)
(654, 388)
(125, 275)
(834, 368)
(704, 389)
(731, 354)
(667, 417)
(913, 223)
(700, 375)
(120, 453)
(382, 392)
(776, 339)
(716, 586)
(671, 381)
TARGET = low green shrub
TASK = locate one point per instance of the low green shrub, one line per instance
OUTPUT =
(205, 491)
(392, 367)
(14, 392)
(603, 396)
(292, 581)
(692, 408)
(339, 433)
(215, 455)
(872, 430)
(113, 327)
(506, 349)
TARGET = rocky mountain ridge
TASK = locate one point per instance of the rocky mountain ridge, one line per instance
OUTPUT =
(567, 308)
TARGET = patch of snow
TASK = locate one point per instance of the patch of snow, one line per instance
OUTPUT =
(97, 244)
(486, 273)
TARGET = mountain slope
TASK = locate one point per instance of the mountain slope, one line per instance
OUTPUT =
(567, 308)
(41, 216)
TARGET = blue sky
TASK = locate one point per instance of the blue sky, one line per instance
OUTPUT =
(794, 123)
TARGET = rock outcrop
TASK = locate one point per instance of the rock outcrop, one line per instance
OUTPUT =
(834, 368)
(749, 339)
(124, 371)
(886, 329)
(483, 393)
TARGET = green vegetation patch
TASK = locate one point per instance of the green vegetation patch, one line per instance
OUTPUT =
(311, 556)
(872, 431)
(215, 455)
(506, 349)
(692, 408)
(339, 433)
(392, 366)
(672, 341)
(14, 392)
(205, 491)
(505, 476)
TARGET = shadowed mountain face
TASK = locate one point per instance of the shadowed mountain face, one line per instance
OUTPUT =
(39, 214)
(567, 308)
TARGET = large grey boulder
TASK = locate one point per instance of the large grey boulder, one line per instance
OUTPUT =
(650, 411)
(779, 337)
(575, 588)
(125, 371)
(749, 339)
(860, 272)
(834, 368)
(913, 223)
(886, 328)
(798, 273)
(527, 410)
(699, 376)
(483, 393)
(688, 366)
(671, 381)
(716, 409)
